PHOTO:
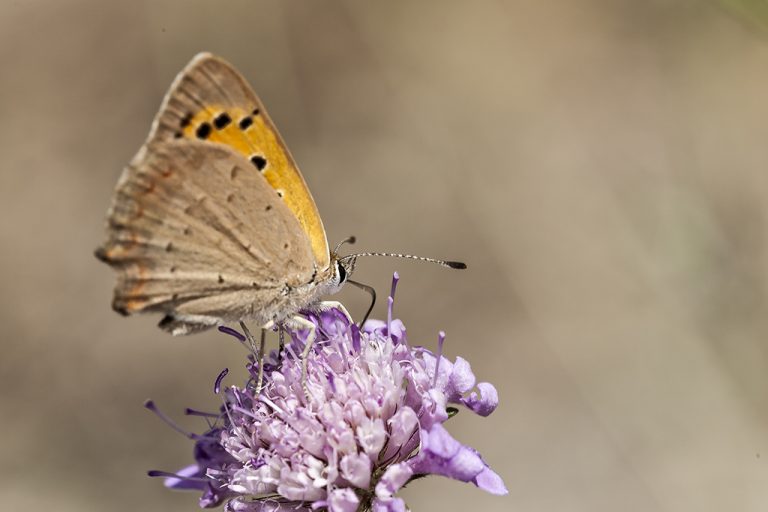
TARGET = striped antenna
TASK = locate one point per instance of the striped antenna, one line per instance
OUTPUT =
(443, 263)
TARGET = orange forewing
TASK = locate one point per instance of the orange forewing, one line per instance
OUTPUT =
(252, 134)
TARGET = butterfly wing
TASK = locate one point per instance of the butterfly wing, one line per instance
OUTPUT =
(197, 233)
(211, 101)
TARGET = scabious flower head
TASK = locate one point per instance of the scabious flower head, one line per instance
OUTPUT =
(371, 421)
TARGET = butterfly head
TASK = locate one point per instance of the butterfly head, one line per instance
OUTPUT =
(341, 268)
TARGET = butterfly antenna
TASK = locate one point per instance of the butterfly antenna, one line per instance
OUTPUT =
(443, 263)
(349, 240)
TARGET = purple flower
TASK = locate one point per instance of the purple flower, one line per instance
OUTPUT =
(372, 421)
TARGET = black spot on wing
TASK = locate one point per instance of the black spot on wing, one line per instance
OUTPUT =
(245, 122)
(203, 131)
(222, 120)
(259, 161)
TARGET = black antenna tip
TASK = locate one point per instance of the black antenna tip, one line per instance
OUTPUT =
(352, 239)
(456, 264)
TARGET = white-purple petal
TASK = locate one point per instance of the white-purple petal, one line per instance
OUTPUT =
(441, 454)
(438, 442)
(393, 479)
(371, 436)
(379, 328)
(356, 468)
(187, 479)
(343, 500)
(402, 425)
(298, 486)
(486, 402)
(489, 481)
(433, 408)
(388, 505)
(238, 505)
(461, 378)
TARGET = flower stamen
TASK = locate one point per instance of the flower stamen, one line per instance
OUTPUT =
(167, 474)
(217, 385)
(149, 404)
(440, 340)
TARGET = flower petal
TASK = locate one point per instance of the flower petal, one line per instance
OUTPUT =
(388, 505)
(433, 408)
(237, 505)
(393, 479)
(186, 482)
(372, 325)
(465, 465)
(490, 482)
(213, 497)
(461, 379)
(343, 500)
(403, 434)
(371, 436)
(379, 328)
(484, 404)
(402, 425)
(356, 468)
(437, 442)
(442, 455)
(297, 485)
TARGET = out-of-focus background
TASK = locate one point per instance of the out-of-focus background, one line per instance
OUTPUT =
(602, 166)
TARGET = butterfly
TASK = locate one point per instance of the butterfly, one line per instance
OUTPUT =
(212, 222)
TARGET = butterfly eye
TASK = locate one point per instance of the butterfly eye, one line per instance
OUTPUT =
(342, 273)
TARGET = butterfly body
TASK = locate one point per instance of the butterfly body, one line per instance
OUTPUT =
(212, 222)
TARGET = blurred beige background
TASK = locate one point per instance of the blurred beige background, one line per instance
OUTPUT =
(602, 167)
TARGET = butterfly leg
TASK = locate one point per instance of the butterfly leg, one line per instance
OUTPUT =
(262, 343)
(297, 322)
(259, 353)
